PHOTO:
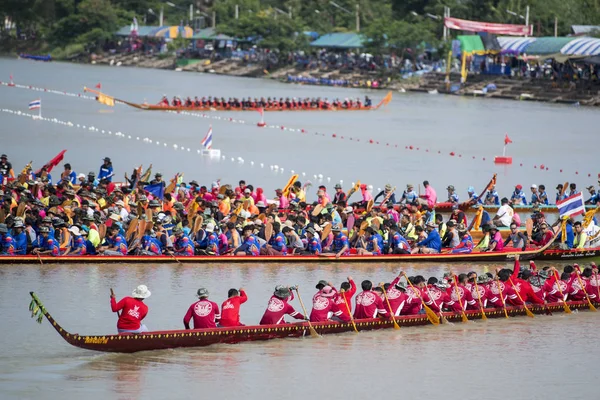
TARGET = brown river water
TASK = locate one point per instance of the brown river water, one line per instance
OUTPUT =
(549, 357)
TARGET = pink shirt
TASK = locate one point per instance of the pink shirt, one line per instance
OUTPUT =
(430, 196)
(283, 202)
(367, 195)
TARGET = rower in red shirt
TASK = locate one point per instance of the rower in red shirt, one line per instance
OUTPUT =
(230, 309)
(349, 289)
(205, 312)
(480, 292)
(133, 310)
(523, 286)
(368, 303)
(436, 291)
(278, 307)
(460, 295)
(551, 287)
(396, 294)
(415, 293)
(324, 308)
(322, 283)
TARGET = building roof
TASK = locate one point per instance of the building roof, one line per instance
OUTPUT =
(340, 41)
(547, 45)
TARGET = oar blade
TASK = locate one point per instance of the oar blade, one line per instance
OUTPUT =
(567, 308)
(313, 332)
(529, 313)
(396, 326)
(432, 316)
(483, 316)
(464, 317)
(592, 308)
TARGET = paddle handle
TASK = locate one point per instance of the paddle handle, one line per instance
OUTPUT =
(312, 330)
(112, 294)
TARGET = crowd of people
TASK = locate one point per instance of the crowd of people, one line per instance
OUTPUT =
(78, 215)
(315, 103)
(403, 295)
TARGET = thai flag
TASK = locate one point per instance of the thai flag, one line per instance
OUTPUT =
(34, 105)
(207, 141)
(571, 206)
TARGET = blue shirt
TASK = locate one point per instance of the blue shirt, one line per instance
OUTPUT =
(339, 241)
(314, 246)
(73, 178)
(106, 172)
(21, 244)
(570, 236)
(409, 197)
(492, 197)
(519, 195)
(376, 237)
(594, 199)
(432, 241)
(453, 198)
(544, 196)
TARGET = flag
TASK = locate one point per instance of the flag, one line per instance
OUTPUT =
(571, 206)
(156, 190)
(53, 163)
(261, 111)
(99, 86)
(207, 141)
(106, 100)
(507, 139)
(34, 105)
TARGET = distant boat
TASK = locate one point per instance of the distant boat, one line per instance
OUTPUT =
(207, 149)
(45, 58)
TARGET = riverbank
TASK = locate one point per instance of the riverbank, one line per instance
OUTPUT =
(480, 86)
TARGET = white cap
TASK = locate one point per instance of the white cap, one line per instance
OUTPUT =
(81, 176)
(534, 186)
(74, 230)
(210, 227)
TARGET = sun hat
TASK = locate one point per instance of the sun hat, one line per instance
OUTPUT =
(260, 204)
(430, 224)
(470, 189)
(441, 285)
(120, 203)
(327, 291)
(153, 203)
(141, 292)
(74, 230)
(282, 292)
(481, 279)
(43, 229)
(311, 231)
(202, 292)
(450, 187)
(337, 186)
(321, 284)
(534, 186)
(519, 187)
(18, 223)
(115, 217)
(210, 227)
(388, 187)
(400, 286)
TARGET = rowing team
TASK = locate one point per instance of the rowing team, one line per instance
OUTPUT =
(286, 104)
(404, 295)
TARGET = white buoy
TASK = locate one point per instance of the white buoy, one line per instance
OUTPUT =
(276, 166)
(320, 176)
(198, 151)
(304, 174)
(281, 169)
(174, 146)
(328, 179)
(262, 165)
(292, 171)
(150, 140)
(353, 184)
(341, 182)
(223, 157)
(251, 162)
(315, 176)
(271, 166)
(232, 159)
(137, 138)
(379, 189)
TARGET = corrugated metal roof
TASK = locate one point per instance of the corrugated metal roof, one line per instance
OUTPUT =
(340, 41)
(582, 47)
(584, 29)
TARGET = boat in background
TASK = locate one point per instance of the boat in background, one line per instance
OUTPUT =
(45, 58)
(160, 340)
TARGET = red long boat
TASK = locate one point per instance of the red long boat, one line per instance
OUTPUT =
(160, 340)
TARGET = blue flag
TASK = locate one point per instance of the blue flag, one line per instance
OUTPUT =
(156, 190)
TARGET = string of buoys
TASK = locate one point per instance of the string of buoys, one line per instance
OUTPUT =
(263, 124)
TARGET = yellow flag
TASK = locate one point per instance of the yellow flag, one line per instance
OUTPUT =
(107, 100)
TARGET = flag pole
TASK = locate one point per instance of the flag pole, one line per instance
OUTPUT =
(504, 151)
(40, 110)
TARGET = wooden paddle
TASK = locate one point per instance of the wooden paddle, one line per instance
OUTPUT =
(141, 229)
(261, 217)
(2, 215)
(592, 308)
(396, 326)
(313, 332)
(501, 296)
(389, 195)
(21, 210)
(246, 205)
(326, 231)
(66, 235)
(370, 204)
(288, 185)
(431, 315)
(442, 317)
(102, 231)
(172, 184)
(112, 294)
(363, 226)
(529, 227)
(349, 311)
(174, 258)
(375, 224)
(197, 224)
(39, 258)
(353, 190)
(268, 231)
(317, 210)
(565, 305)
(564, 189)
(462, 310)
(527, 310)
(483, 316)
(131, 229)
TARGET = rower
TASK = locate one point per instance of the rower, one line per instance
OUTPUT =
(504, 215)
(594, 197)
(573, 190)
(496, 242)
(48, 245)
(374, 243)
(581, 236)
(279, 307)
(340, 244)
(396, 295)
(451, 238)
(387, 194)
(535, 195)
(325, 308)
(183, 246)
(491, 197)
(117, 245)
(518, 239)
(204, 312)
(430, 245)
(133, 310)
(230, 309)
(20, 237)
(466, 241)
(368, 303)
(409, 195)
(8, 245)
(368, 102)
(250, 246)
(397, 243)
(452, 195)
(518, 197)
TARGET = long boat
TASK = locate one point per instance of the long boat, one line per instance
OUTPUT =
(548, 209)
(160, 340)
(500, 257)
(159, 107)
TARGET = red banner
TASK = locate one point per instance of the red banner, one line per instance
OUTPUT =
(498, 29)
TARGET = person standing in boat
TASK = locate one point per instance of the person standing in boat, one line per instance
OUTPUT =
(204, 312)
(133, 310)
(106, 170)
(279, 307)
(230, 309)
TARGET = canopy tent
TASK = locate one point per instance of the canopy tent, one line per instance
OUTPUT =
(490, 41)
(585, 29)
(547, 45)
(211, 34)
(582, 47)
(142, 31)
(174, 32)
(513, 45)
(471, 44)
(340, 41)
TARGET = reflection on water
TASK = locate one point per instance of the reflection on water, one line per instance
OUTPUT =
(347, 365)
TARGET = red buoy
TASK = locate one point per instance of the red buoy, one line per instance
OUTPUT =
(503, 160)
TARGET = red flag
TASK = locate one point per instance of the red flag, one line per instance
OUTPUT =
(507, 140)
(261, 111)
(99, 86)
(53, 163)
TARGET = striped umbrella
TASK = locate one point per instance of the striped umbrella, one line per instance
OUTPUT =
(173, 32)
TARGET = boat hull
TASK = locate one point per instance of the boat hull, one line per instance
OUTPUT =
(161, 340)
(548, 209)
(409, 258)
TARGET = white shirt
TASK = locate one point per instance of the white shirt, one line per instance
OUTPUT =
(505, 214)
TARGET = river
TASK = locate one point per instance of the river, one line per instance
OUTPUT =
(548, 357)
